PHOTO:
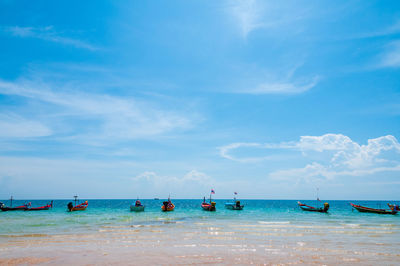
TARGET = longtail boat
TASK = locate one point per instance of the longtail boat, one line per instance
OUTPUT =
(208, 206)
(235, 205)
(79, 207)
(137, 207)
(42, 208)
(4, 208)
(394, 207)
(167, 206)
(372, 210)
(305, 207)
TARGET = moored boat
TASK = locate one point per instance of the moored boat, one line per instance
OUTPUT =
(11, 208)
(305, 207)
(208, 206)
(372, 210)
(137, 207)
(394, 207)
(167, 206)
(235, 205)
(41, 208)
(79, 207)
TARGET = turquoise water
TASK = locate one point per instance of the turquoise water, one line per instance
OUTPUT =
(266, 231)
(102, 213)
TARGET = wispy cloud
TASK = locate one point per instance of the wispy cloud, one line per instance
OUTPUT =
(334, 155)
(93, 117)
(248, 15)
(391, 55)
(251, 15)
(284, 87)
(389, 30)
(48, 33)
(12, 126)
(284, 80)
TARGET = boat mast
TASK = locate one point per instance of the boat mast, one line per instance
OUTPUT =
(76, 197)
(11, 199)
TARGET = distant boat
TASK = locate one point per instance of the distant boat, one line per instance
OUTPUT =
(11, 208)
(235, 205)
(208, 206)
(305, 207)
(42, 208)
(372, 210)
(167, 206)
(156, 199)
(137, 207)
(79, 207)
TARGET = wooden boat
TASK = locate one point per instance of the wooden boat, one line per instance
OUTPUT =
(305, 207)
(79, 207)
(235, 205)
(4, 208)
(42, 208)
(167, 206)
(394, 207)
(208, 206)
(372, 210)
(137, 207)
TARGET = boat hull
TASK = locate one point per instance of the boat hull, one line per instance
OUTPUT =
(313, 209)
(372, 210)
(4, 209)
(135, 208)
(79, 207)
(169, 208)
(208, 207)
(308, 208)
(233, 206)
(38, 209)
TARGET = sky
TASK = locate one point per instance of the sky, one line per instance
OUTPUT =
(271, 99)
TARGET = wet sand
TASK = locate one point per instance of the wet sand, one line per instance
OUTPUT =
(259, 243)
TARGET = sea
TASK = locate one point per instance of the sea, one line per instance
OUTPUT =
(265, 232)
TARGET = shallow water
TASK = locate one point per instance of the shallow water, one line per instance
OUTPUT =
(265, 232)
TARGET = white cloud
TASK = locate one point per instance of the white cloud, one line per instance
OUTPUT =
(48, 33)
(225, 151)
(95, 117)
(337, 155)
(192, 184)
(191, 176)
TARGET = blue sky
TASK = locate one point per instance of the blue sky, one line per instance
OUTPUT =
(112, 99)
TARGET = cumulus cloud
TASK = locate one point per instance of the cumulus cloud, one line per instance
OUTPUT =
(338, 155)
(191, 183)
